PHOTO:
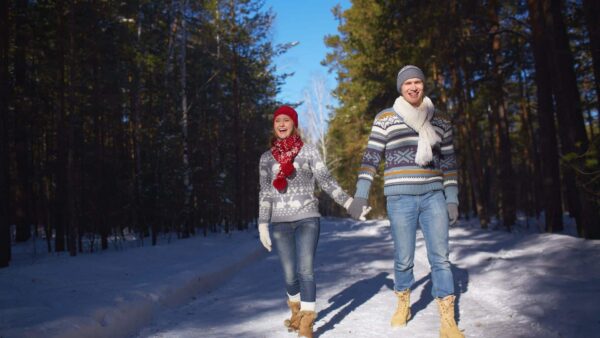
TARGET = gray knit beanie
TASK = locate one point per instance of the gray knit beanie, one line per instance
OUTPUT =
(408, 72)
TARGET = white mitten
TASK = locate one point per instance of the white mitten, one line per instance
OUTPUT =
(365, 211)
(452, 213)
(265, 239)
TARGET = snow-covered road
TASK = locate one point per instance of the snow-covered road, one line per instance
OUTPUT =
(508, 285)
(520, 284)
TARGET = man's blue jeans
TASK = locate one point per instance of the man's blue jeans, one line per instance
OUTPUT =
(296, 244)
(429, 211)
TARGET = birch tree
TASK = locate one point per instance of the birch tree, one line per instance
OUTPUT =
(317, 100)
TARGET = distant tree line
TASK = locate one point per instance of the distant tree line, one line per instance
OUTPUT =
(144, 116)
(518, 79)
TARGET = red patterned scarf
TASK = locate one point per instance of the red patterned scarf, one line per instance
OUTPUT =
(284, 151)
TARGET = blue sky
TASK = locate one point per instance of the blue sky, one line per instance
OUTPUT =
(307, 22)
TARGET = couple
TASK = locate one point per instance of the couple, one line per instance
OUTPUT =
(419, 183)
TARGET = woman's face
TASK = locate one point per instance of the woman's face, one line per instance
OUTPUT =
(283, 126)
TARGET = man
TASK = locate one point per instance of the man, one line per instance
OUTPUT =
(420, 185)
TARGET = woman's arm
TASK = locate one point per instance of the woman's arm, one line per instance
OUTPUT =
(326, 181)
(264, 195)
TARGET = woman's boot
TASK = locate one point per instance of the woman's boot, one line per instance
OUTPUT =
(448, 328)
(402, 314)
(307, 320)
(294, 321)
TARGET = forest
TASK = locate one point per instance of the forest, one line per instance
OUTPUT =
(149, 117)
(519, 82)
(140, 117)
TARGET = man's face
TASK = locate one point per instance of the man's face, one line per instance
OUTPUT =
(412, 91)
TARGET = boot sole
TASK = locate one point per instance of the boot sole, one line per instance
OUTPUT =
(288, 324)
(401, 325)
(396, 326)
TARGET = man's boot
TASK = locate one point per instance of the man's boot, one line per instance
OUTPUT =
(307, 320)
(448, 328)
(402, 314)
(294, 321)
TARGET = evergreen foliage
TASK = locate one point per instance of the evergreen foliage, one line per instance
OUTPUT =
(92, 117)
(481, 74)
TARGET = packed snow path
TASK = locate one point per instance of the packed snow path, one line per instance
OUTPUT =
(508, 285)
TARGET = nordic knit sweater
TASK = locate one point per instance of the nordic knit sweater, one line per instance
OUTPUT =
(394, 138)
(298, 201)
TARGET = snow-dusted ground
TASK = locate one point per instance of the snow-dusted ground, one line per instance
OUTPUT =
(115, 293)
(517, 284)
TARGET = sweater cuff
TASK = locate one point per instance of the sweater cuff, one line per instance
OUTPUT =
(451, 193)
(348, 202)
(362, 188)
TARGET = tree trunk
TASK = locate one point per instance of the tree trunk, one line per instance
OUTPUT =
(473, 147)
(235, 78)
(502, 141)
(5, 249)
(548, 145)
(22, 129)
(591, 11)
(59, 168)
(481, 185)
(135, 125)
(188, 187)
(531, 182)
(72, 233)
(572, 131)
(213, 207)
(101, 190)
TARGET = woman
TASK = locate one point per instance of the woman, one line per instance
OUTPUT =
(287, 201)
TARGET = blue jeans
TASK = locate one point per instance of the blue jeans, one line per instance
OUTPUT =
(296, 244)
(429, 210)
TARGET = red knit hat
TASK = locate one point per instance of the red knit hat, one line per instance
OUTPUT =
(289, 111)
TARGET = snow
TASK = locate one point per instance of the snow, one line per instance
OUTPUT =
(518, 284)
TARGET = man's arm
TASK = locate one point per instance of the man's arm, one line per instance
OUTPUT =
(449, 167)
(450, 172)
(371, 159)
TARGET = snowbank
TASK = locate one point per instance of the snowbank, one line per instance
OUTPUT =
(114, 294)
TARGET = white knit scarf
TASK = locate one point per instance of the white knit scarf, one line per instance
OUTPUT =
(418, 119)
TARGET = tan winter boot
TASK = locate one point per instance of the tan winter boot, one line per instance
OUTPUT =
(448, 328)
(307, 320)
(402, 314)
(294, 321)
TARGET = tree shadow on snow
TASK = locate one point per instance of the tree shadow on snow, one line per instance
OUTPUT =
(461, 284)
(351, 298)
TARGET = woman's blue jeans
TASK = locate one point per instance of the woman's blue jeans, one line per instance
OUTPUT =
(430, 212)
(296, 244)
